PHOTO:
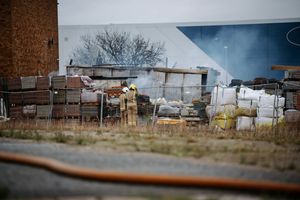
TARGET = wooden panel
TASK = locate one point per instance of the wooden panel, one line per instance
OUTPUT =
(285, 67)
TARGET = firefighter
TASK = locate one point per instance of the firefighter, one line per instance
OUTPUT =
(123, 106)
(132, 106)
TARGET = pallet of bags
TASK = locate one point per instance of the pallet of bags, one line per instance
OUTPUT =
(244, 123)
(269, 111)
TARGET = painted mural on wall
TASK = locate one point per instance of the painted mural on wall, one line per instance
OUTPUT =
(249, 51)
(120, 48)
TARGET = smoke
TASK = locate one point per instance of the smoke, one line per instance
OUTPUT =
(241, 50)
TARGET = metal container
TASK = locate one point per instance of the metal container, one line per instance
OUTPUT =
(28, 82)
(43, 83)
(73, 96)
(58, 82)
(43, 111)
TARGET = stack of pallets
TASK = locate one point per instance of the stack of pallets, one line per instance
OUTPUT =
(15, 100)
(44, 98)
(73, 94)
(90, 105)
(59, 96)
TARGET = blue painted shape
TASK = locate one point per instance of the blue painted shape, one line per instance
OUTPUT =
(252, 48)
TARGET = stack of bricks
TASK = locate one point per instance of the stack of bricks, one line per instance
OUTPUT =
(73, 94)
(44, 98)
(59, 96)
(15, 99)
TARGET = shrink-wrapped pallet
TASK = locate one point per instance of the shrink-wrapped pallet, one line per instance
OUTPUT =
(223, 122)
(245, 124)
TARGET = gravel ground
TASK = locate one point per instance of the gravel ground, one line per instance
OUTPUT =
(23, 181)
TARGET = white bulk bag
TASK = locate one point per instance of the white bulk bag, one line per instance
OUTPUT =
(247, 103)
(268, 101)
(247, 93)
(223, 96)
(245, 124)
(269, 112)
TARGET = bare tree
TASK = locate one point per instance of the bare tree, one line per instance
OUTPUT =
(118, 48)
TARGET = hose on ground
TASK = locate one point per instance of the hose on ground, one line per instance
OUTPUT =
(152, 179)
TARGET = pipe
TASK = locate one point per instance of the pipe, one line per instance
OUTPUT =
(128, 177)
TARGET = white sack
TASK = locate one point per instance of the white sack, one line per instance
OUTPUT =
(268, 112)
(223, 96)
(247, 103)
(268, 101)
(245, 124)
(247, 93)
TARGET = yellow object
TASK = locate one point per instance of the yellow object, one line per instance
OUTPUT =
(131, 107)
(171, 122)
(132, 86)
(245, 112)
(224, 122)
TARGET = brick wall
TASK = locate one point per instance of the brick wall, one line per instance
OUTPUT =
(27, 27)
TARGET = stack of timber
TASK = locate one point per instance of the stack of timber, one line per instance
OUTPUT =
(73, 94)
(58, 82)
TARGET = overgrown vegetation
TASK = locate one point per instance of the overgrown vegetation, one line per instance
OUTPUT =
(264, 148)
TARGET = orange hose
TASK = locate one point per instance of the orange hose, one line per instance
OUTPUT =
(127, 177)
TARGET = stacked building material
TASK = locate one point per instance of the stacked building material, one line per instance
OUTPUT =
(14, 84)
(72, 111)
(58, 111)
(29, 97)
(29, 111)
(74, 82)
(59, 97)
(28, 83)
(90, 112)
(58, 82)
(73, 96)
(43, 83)
(15, 98)
(16, 112)
(43, 111)
(269, 111)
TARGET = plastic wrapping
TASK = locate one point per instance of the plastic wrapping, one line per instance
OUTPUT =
(224, 122)
(269, 112)
(266, 122)
(245, 124)
(268, 101)
(247, 93)
(223, 96)
(228, 110)
(165, 110)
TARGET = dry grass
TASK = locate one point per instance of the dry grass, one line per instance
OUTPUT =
(263, 148)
